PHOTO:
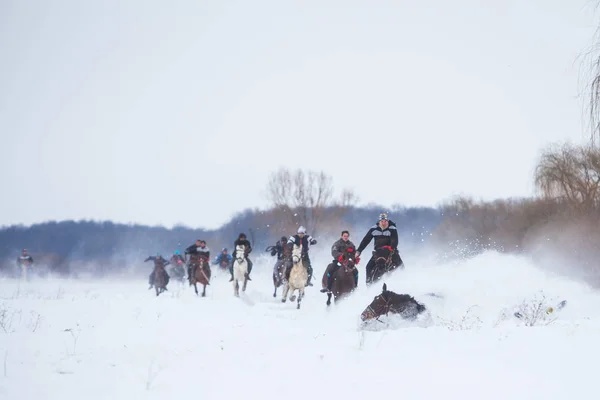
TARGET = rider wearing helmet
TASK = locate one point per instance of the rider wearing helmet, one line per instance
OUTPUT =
(384, 234)
(177, 258)
(301, 238)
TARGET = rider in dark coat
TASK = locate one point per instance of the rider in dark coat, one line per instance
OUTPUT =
(337, 251)
(197, 250)
(241, 240)
(301, 238)
(384, 234)
(158, 261)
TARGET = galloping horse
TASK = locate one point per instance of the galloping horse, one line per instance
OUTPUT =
(279, 273)
(298, 277)
(160, 283)
(384, 263)
(240, 270)
(201, 274)
(389, 302)
(343, 277)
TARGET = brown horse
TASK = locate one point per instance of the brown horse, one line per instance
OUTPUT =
(387, 302)
(201, 274)
(343, 277)
(384, 263)
(279, 273)
(160, 283)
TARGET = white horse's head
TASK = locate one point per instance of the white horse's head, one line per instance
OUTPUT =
(240, 253)
(296, 254)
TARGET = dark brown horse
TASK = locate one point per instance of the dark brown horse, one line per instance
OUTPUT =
(279, 273)
(387, 302)
(343, 276)
(201, 274)
(383, 263)
(160, 283)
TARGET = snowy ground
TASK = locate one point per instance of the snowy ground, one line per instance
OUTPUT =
(117, 340)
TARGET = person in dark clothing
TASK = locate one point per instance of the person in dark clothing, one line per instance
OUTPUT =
(241, 240)
(196, 251)
(24, 262)
(283, 252)
(337, 250)
(301, 238)
(384, 233)
(158, 262)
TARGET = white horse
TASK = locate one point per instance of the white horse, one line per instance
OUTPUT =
(240, 270)
(298, 277)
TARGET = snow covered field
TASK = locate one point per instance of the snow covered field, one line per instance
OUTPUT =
(89, 340)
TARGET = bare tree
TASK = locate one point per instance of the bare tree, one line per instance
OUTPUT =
(304, 197)
(570, 174)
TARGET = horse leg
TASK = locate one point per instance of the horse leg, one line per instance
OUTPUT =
(196, 288)
(237, 288)
(292, 295)
(300, 296)
(245, 282)
(329, 298)
(157, 289)
(204, 291)
(285, 292)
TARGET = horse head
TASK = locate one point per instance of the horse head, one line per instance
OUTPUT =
(379, 306)
(349, 259)
(383, 257)
(296, 253)
(240, 253)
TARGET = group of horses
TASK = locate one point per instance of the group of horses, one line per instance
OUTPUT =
(342, 284)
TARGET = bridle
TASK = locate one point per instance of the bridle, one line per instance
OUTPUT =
(386, 307)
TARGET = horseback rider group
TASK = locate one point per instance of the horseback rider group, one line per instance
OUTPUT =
(384, 233)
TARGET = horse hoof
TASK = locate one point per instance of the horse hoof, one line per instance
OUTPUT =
(293, 298)
(283, 300)
(297, 308)
(203, 294)
(274, 295)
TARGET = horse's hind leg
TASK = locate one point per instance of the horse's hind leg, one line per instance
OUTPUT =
(285, 292)
(196, 288)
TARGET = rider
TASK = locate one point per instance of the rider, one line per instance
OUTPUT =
(385, 234)
(337, 250)
(24, 259)
(224, 256)
(176, 261)
(282, 251)
(301, 238)
(241, 240)
(196, 251)
(158, 261)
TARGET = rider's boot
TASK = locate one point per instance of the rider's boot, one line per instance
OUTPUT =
(310, 271)
(329, 284)
(249, 269)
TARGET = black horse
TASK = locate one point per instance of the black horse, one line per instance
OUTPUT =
(381, 263)
(389, 302)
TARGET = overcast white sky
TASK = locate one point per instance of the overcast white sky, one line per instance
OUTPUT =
(175, 112)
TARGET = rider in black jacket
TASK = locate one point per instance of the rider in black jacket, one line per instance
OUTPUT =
(384, 233)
